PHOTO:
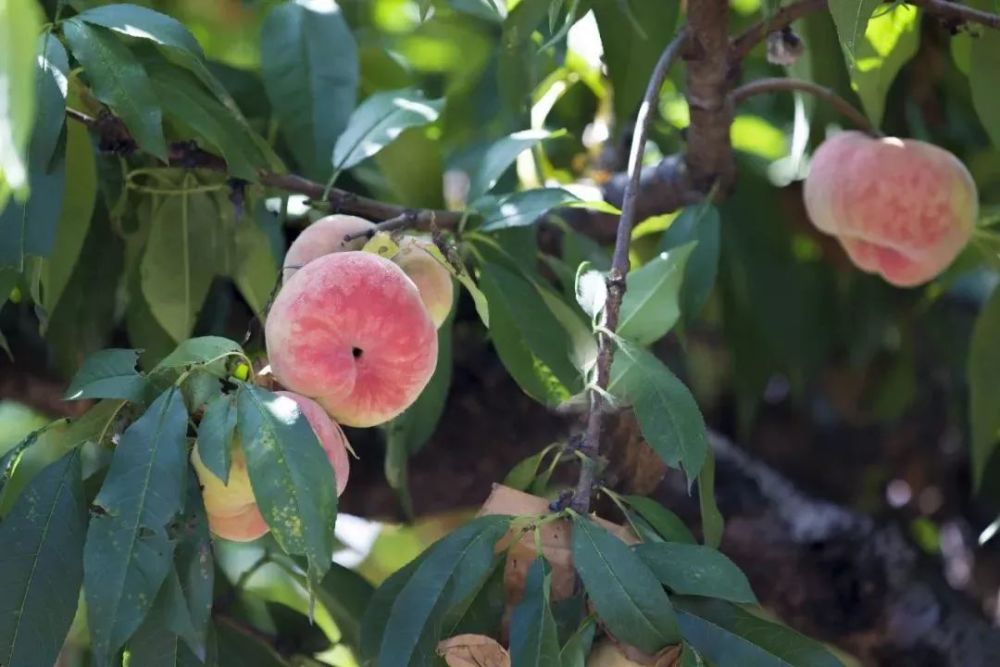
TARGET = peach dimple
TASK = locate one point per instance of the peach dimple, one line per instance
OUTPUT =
(349, 330)
(900, 207)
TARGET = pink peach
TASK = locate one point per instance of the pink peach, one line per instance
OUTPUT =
(350, 331)
(246, 525)
(900, 207)
(330, 436)
(433, 280)
(325, 236)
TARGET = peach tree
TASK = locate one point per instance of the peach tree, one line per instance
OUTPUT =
(570, 178)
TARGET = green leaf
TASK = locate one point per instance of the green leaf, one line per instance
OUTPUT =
(668, 415)
(984, 65)
(524, 473)
(851, 18)
(534, 641)
(186, 101)
(28, 228)
(712, 523)
(345, 594)
(142, 23)
(380, 606)
(256, 271)
(490, 10)
(108, 374)
(890, 40)
(195, 573)
(178, 264)
(379, 120)
(292, 479)
(699, 224)
(692, 569)
(154, 645)
(409, 432)
(199, 387)
(520, 208)
(20, 23)
(129, 552)
(51, 89)
(727, 635)
(984, 397)
(482, 612)
(309, 61)
(73, 223)
(667, 524)
(210, 352)
(518, 60)
(215, 435)
(453, 568)
(576, 649)
(120, 81)
(651, 305)
(529, 339)
(491, 165)
(41, 565)
(634, 34)
(626, 595)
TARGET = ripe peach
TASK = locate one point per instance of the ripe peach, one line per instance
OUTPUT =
(330, 436)
(246, 525)
(433, 281)
(323, 237)
(350, 331)
(900, 207)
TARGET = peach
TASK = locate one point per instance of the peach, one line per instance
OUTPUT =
(325, 236)
(899, 207)
(330, 436)
(349, 330)
(246, 525)
(433, 280)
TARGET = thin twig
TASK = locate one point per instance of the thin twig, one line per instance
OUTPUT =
(590, 446)
(187, 154)
(958, 12)
(761, 86)
(757, 33)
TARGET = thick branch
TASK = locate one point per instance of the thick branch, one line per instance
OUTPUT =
(113, 135)
(844, 107)
(590, 446)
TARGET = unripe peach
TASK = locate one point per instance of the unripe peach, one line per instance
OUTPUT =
(350, 331)
(330, 436)
(231, 507)
(900, 207)
(606, 654)
(246, 525)
(433, 281)
(325, 236)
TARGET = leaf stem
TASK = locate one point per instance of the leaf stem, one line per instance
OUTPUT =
(778, 84)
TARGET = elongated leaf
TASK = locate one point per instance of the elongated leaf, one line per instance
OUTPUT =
(143, 23)
(380, 606)
(187, 101)
(726, 635)
(984, 62)
(215, 435)
(497, 158)
(20, 22)
(74, 219)
(626, 595)
(576, 649)
(851, 18)
(668, 415)
(528, 337)
(179, 262)
(890, 40)
(51, 90)
(521, 208)
(128, 552)
(379, 120)
(108, 374)
(155, 645)
(712, 523)
(691, 569)
(984, 398)
(256, 270)
(523, 474)
(452, 569)
(651, 305)
(41, 565)
(345, 594)
(534, 641)
(634, 34)
(666, 523)
(291, 477)
(120, 81)
(209, 352)
(482, 612)
(310, 66)
(699, 224)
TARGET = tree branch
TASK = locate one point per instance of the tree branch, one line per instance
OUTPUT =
(114, 136)
(958, 12)
(590, 446)
(743, 44)
(761, 86)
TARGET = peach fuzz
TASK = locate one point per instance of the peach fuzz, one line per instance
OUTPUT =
(900, 208)
(325, 236)
(330, 436)
(433, 281)
(349, 330)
